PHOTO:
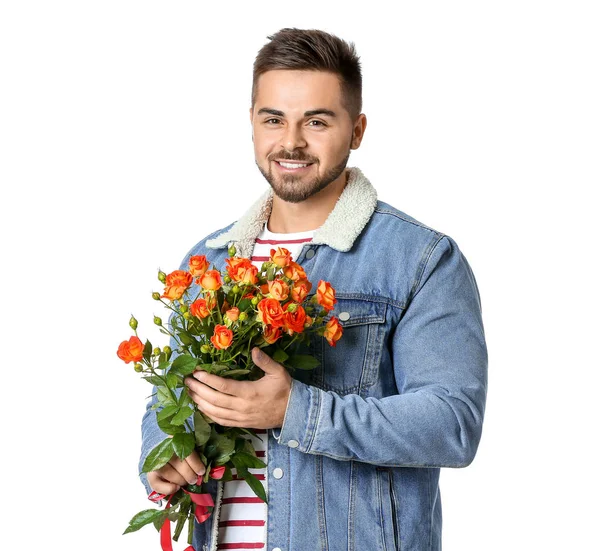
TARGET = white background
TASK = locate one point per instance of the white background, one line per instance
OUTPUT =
(125, 139)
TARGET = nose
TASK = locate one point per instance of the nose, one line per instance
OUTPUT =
(293, 138)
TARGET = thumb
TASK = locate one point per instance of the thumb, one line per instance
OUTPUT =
(264, 361)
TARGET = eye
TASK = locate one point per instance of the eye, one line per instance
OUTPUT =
(321, 123)
(269, 120)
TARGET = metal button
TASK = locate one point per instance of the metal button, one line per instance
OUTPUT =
(293, 443)
(310, 253)
(276, 548)
(277, 473)
(344, 316)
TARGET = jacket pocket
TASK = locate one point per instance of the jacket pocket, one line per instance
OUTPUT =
(388, 509)
(353, 364)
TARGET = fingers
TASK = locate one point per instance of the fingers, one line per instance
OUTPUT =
(160, 485)
(183, 472)
(206, 390)
(196, 464)
(176, 473)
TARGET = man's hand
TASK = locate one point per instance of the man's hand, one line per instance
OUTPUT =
(250, 404)
(176, 473)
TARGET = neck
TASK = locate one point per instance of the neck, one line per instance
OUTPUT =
(308, 215)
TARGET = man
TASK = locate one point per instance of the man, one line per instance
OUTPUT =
(355, 447)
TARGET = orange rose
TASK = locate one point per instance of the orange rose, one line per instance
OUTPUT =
(295, 320)
(199, 308)
(176, 284)
(131, 350)
(222, 337)
(333, 331)
(270, 312)
(300, 289)
(233, 313)
(241, 270)
(282, 257)
(271, 334)
(198, 265)
(294, 271)
(211, 280)
(278, 289)
(326, 295)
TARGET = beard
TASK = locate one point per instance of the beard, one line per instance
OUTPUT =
(295, 189)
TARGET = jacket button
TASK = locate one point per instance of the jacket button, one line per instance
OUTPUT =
(293, 443)
(277, 473)
(276, 549)
(310, 253)
(344, 316)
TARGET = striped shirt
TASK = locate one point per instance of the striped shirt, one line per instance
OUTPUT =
(243, 516)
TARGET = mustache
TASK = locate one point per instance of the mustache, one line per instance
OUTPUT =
(292, 157)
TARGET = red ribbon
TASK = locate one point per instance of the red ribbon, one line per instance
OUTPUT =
(202, 502)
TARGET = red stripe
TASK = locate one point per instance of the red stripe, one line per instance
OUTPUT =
(242, 500)
(242, 523)
(278, 241)
(241, 545)
(260, 258)
(259, 476)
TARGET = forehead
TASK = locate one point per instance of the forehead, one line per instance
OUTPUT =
(295, 90)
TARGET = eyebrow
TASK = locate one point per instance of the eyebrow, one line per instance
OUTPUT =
(310, 113)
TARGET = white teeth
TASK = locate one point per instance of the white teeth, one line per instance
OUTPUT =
(291, 165)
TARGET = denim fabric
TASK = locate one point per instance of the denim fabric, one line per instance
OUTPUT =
(400, 396)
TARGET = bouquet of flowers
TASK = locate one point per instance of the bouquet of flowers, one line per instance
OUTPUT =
(215, 321)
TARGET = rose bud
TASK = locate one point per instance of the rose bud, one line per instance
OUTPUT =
(138, 368)
(232, 250)
(157, 320)
(167, 350)
(162, 277)
(133, 323)
(156, 296)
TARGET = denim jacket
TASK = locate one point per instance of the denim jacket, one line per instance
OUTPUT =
(401, 394)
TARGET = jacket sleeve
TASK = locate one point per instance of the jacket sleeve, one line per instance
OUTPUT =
(152, 435)
(439, 358)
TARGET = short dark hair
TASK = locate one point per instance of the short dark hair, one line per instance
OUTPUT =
(312, 49)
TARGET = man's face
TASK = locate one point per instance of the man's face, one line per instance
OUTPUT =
(298, 116)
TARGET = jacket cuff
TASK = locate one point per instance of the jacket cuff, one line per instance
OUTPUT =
(301, 417)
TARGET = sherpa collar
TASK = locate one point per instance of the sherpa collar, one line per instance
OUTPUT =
(349, 216)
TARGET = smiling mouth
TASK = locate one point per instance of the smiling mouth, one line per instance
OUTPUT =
(288, 166)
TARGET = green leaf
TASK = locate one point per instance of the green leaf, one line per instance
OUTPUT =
(172, 380)
(184, 398)
(184, 364)
(302, 361)
(142, 518)
(186, 338)
(219, 446)
(201, 429)
(235, 372)
(217, 368)
(160, 520)
(169, 428)
(153, 379)
(244, 304)
(159, 456)
(163, 365)
(164, 396)
(253, 482)
(183, 444)
(147, 352)
(181, 416)
(167, 412)
(243, 459)
(280, 355)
